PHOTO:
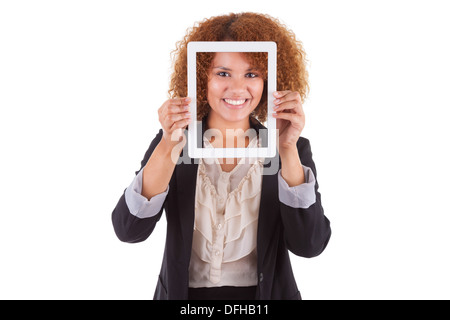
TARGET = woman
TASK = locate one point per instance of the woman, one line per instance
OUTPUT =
(229, 226)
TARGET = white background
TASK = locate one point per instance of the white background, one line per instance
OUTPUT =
(80, 85)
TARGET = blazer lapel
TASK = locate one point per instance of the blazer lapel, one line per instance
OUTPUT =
(269, 204)
(267, 219)
(186, 182)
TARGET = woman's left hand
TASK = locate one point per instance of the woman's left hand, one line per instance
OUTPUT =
(290, 118)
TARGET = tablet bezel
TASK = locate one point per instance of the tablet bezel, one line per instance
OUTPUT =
(231, 46)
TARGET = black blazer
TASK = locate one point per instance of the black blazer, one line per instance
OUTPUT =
(305, 232)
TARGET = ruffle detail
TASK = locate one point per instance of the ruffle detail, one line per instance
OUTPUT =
(239, 220)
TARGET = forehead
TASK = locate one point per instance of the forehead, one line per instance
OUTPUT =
(231, 60)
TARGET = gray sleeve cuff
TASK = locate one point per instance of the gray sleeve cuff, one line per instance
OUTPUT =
(139, 205)
(301, 196)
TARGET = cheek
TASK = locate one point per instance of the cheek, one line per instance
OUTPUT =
(257, 89)
(215, 88)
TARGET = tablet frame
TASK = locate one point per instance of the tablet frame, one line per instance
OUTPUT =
(231, 46)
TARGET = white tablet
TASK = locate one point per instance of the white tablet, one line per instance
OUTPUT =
(267, 139)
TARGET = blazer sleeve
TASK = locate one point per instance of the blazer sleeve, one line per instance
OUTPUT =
(127, 226)
(306, 231)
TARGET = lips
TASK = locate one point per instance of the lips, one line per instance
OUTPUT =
(235, 103)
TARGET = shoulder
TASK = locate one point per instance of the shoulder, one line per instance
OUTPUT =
(302, 141)
(303, 145)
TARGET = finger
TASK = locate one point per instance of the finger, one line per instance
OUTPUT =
(292, 117)
(180, 101)
(289, 105)
(173, 109)
(289, 96)
(177, 117)
(180, 124)
(169, 120)
(280, 94)
(174, 106)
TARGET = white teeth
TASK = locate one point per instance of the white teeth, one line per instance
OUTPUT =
(235, 102)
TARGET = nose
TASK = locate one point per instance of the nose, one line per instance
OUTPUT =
(237, 86)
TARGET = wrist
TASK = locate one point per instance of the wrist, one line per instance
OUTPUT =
(167, 144)
(164, 147)
(292, 169)
(171, 150)
(287, 150)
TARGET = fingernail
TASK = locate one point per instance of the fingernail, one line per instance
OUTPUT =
(187, 115)
(275, 107)
(277, 101)
(187, 99)
(186, 108)
(276, 93)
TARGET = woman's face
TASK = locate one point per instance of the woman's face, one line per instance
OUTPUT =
(234, 87)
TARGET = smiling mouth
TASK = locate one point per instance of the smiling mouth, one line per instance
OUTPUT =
(235, 104)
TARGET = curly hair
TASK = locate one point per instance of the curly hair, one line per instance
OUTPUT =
(291, 57)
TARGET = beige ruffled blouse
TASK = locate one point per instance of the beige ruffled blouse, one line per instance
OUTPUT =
(226, 220)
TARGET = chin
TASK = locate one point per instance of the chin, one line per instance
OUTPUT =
(235, 117)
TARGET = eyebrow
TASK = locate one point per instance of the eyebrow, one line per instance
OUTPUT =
(228, 69)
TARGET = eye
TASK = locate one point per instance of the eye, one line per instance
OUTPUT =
(251, 75)
(223, 74)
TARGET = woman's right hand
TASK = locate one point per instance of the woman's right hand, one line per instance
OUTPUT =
(174, 117)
